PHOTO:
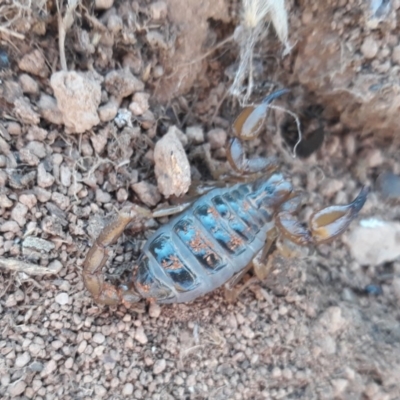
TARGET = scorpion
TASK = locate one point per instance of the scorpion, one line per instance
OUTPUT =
(215, 240)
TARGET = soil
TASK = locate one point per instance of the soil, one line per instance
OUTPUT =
(78, 141)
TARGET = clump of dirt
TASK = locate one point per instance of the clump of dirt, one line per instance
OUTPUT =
(80, 137)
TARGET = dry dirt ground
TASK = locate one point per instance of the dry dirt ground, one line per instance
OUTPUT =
(75, 147)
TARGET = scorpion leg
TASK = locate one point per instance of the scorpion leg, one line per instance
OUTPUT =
(247, 126)
(261, 265)
(104, 292)
(324, 225)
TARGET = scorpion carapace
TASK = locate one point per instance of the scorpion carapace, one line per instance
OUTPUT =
(217, 236)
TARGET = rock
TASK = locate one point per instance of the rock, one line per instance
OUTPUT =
(389, 185)
(122, 195)
(99, 141)
(140, 336)
(217, 138)
(99, 338)
(65, 175)
(140, 103)
(14, 128)
(24, 112)
(49, 368)
(62, 299)
(332, 320)
(108, 111)
(55, 266)
(374, 158)
(158, 10)
(147, 193)
(103, 4)
(9, 226)
(369, 48)
(78, 97)
(127, 390)
(28, 200)
(60, 200)
(396, 55)
(172, 167)
(37, 148)
(154, 310)
(5, 202)
(49, 110)
(33, 242)
(28, 157)
(34, 63)
(121, 83)
(115, 24)
(159, 366)
(44, 179)
(18, 214)
(374, 241)
(42, 195)
(28, 84)
(102, 197)
(16, 388)
(22, 360)
(156, 40)
(195, 134)
(36, 133)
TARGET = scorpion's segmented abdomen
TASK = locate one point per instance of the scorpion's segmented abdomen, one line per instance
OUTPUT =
(202, 248)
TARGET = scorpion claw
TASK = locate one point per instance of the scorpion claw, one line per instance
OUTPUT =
(247, 126)
(332, 221)
(325, 225)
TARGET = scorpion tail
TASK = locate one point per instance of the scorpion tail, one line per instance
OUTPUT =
(93, 277)
(325, 225)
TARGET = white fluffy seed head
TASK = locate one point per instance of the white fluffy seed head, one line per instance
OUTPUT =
(255, 12)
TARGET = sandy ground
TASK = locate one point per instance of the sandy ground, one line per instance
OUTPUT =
(75, 147)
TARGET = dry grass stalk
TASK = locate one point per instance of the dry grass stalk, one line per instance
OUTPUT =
(12, 264)
(64, 24)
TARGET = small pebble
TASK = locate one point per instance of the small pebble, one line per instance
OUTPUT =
(9, 226)
(16, 388)
(102, 197)
(28, 84)
(217, 138)
(5, 202)
(127, 389)
(103, 4)
(154, 310)
(172, 166)
(147, 193)
(158, 10)
(195, 134)
(121, 83)
(122, 195)
(49, 368)
(22, 360)
(28, 200)
(62, 299)
(44, 179)
(99, 338)
(18, 214)
(369, 48)
(14, 128)
(140, 336)
(159, 366)
(34, 63)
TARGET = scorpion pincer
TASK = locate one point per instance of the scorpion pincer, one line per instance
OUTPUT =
(216, 238)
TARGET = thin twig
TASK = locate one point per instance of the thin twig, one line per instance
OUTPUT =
(12, 33)
(12, 264)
